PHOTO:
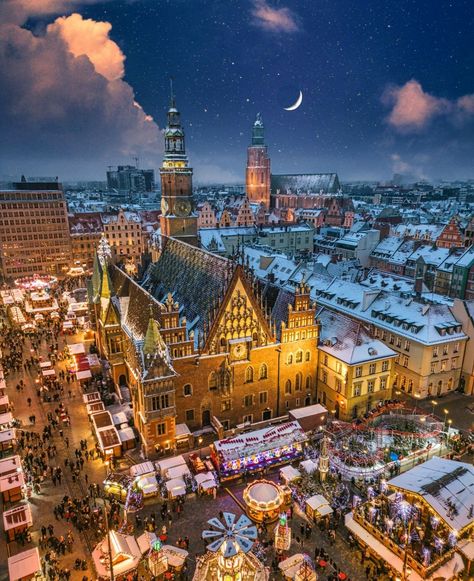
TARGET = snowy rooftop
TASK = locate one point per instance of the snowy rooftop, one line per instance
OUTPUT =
(387, 247)
(447, 486)
(430, 254)
(346, 340)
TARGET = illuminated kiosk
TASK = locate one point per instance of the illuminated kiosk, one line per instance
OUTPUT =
(229, 556)
(265, 500)
(253, 451)
(282, 534)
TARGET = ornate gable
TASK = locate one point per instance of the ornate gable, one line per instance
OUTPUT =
(239, 316)
(110, 314)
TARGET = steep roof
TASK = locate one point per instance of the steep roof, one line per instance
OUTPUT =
(304, 183)
(194, 277)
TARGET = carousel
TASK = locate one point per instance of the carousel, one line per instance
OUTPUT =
(265, 500)
(229, 555)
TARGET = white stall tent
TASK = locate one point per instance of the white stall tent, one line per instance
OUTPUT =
(205, 480)
(142, 469)
(289, 474)
(25, 564)
(148, 485)
(309, 465)
(319, 504)
(164, 465)
(178, 472)
(176, 487)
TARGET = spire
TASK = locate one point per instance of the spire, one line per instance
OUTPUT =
(172, 99)
(258, 131)
(96, 275)
(153, 339)
(106, 283)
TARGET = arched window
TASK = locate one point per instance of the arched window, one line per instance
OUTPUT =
(288, 387)
(307, 356)
(290, 358)
(298, 382)
(212, 381)
(227, 379)
(309, 383)
(187, 389)
(263, 371)
(299, 356)
(249, 374)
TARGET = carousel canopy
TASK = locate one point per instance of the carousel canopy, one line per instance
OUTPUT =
(231, 536)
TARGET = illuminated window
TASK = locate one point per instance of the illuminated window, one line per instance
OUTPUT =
(263, 371)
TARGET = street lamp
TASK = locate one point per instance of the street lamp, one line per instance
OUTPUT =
(200, 443)
(434, 403)
(417, 396)
(446, 412)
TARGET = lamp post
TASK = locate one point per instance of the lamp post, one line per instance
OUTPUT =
(446, 412)
(434, 403)
(200, 449)
(107, 530)
(417, 397)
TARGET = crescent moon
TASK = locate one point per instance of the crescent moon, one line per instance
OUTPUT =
(295, 106)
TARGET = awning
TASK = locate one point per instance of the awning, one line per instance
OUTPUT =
(126, 434)
(77, 348)
(45, 364)
(142, 469)
(181, 431)
(176, 487)
(48, 372)
(25, 564)
(178, 471)
(17, 517)
(82, 375)
(309, 465)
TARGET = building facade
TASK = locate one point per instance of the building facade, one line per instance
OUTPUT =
(127, 240)
(34, 230)
(257, 177)
(223, 359)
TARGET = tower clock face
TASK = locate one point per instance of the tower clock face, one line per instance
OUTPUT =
(183, 208)
(239, 351)
(164, 206)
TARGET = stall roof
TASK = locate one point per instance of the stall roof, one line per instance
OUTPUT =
(9, 465)
(141, 469)
(45, 364)
(120, 418)
(441, 482)
(25, 564)
(67, 325)
(309, 465)
(108, 437)
(177, 487)
(48, 372)
(308, 411)
(97, 406)
(178, 472)
(182, 431)
(7, 435)
(289, 473)
(4, 400)
(85, 374)
(260, 440)
(102, 419)
(126, 434)
(6, 418)
(164, 465)
(77, 348)
(91, 397)
(11, 481)
(206, 480)
(319, 503)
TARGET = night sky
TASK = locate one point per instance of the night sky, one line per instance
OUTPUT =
(387, 86)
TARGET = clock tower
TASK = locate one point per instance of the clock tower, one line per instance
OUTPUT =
(177, 217)
(257, 175)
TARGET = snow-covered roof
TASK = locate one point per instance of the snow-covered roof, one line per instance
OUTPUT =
(346, 340)
(387, 247)
(446, 485)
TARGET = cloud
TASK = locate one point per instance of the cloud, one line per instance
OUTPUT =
(413, 169)
(274, 19)
(413, 108)
(18, 11)
(90, 38)
(63, 100)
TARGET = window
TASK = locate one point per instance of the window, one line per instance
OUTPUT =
(405, 361)
(249, 374)
(307, 356)
(263, 397)
(298, 382)
(406, 345)
(325, 360)
(263, 374)
(338, 367)
(161, 429)
(248, 419)
(357, 389)
(383, 383)
(338, 385)
(434, 368)
(212, 381)
(391, 339)
(385, 365)
(188, 390)
(456, 347)
(399, 342)
(309, 383)
(190, 415)
(372, 368)
(435, 351)
(358, 372)
(454, 362)
(444, 364)
(324, 376)
(159, 402)
(290, 359)
(299, 356)
(226, 405)
(370, 386)
(288, 387)
(445, 349)
(248, 401)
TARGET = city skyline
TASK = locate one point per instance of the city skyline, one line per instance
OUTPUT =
(386, 89)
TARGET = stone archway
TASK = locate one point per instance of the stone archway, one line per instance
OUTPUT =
(206, 418)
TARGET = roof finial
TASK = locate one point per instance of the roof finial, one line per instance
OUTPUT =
(172, 101)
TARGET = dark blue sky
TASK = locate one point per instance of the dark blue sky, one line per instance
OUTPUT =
(352, 61)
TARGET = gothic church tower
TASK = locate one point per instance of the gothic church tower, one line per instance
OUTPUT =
(257, 179)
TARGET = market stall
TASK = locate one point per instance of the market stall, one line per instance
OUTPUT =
(163, 466)
(17, 520)
(298, 567)
(289, 474)
(84, 375)
(253, 451)
(4, 404)
(175, 488)
(93, 408)
(125, 552)
(93, 397)
(183, 436)
(6, 420)
(206, 482)
(48, 373)
(148, 485)
(24, 565)
(117, 485)
(142, 469)
(120, 420)
(11, 486)
(108, 440)
(309, 466)
(180, 471)
(317, 507)
(127, 438)
(7, 440)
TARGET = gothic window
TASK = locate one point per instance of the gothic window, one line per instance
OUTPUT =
(212, 381)
(308, 383)
(249, 374)
(188, 390)
(288, 387)
(290, 358)
(226, 380)
(307, 356)
(299, 356)
(298, 382)
(263, 371)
